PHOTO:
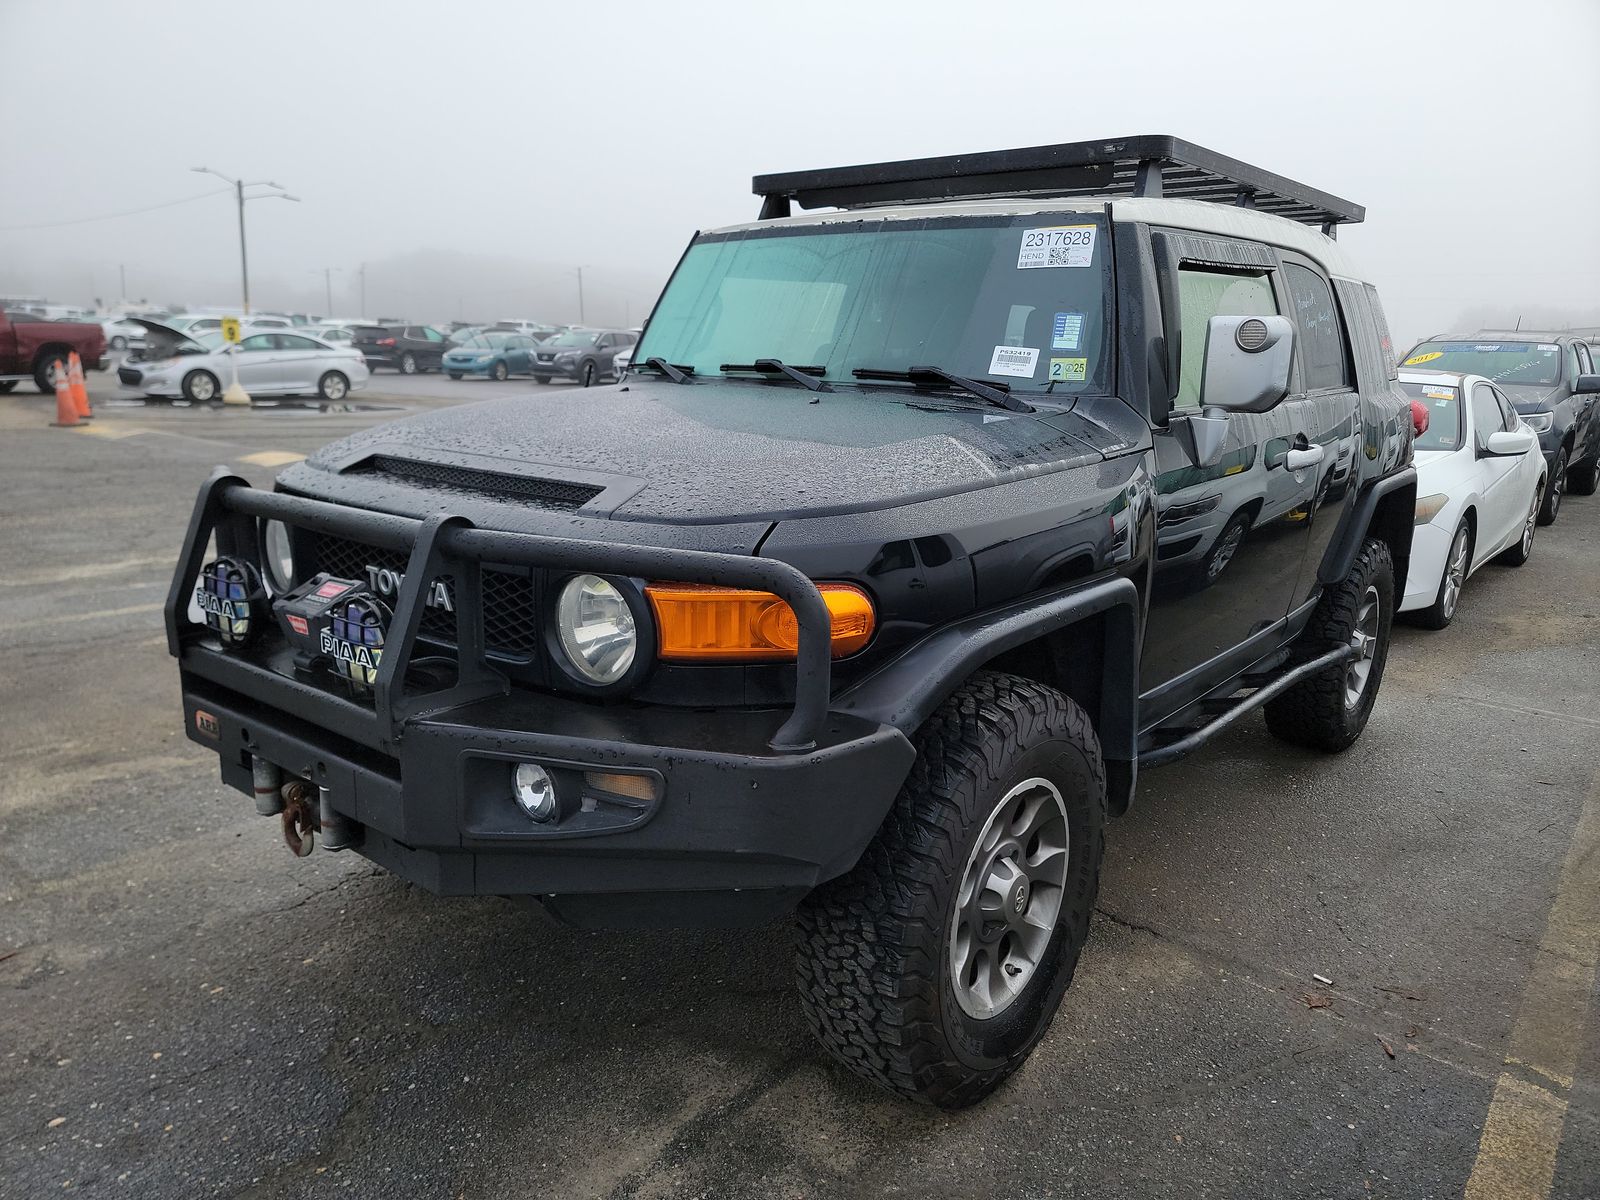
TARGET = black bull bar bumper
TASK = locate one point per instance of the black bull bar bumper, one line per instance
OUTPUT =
(755, 807)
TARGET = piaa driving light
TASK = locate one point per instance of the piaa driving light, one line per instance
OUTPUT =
(535, 791)
(278, 556)
(596, 628)
(700, 623)
(232, 599)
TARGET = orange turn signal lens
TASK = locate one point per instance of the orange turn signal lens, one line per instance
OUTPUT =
(699, 623)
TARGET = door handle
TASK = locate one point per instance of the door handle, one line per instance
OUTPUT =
(1300, 459)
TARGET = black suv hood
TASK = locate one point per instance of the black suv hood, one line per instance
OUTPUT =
(724, 451)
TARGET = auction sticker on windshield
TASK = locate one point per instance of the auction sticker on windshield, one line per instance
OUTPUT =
(1020, 361)
(1069, 370)
(1066, 331)
(1422, 358)
(1057, 246)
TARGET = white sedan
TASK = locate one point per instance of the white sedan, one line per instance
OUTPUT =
(122, 334)
(1480, 478)
(198, 368)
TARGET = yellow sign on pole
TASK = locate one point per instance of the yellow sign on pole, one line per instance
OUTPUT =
(230, 329)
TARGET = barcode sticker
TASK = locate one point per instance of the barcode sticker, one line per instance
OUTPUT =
(1057, 246)
(1020, 361)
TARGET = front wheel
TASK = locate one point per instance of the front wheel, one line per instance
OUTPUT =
(1328, 710)
(119, 343)
(43, 377)
(1457, 563)
(333, 386)
(408, 364)
(500, 372)
(1553, 490)
(936, 964)
(200, 387)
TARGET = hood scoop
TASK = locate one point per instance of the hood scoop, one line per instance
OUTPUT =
(547, 493)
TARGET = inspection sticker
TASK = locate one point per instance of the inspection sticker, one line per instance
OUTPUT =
(1020, 361)
(1066, 332)
(1422, 358)
(1057, 246)
(1067, 370)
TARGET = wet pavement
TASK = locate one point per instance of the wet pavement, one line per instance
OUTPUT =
(189, 1011)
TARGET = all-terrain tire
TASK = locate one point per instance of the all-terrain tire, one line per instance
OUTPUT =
(1317, 712)
(874, 947)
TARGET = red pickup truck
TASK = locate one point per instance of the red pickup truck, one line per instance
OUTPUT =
(29, 344)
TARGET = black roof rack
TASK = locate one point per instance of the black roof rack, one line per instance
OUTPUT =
(1151, 165)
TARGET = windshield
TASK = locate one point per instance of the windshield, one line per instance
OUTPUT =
(1444, 415)
(1015, 300)
(211, 341)
(574, 337)
(1533, 363)
(484, 341)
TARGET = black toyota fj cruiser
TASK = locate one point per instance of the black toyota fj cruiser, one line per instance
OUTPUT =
(921, 523)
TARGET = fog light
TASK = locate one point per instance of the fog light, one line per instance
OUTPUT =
(535, 791)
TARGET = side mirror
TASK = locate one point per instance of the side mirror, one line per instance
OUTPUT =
(1586, 384)
(1510, 442)
(1246, 369)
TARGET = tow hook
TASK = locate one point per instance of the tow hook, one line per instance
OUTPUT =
(299, 817)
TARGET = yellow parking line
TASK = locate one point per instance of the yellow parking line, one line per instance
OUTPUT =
(1522, 1132)
(272, 458)
(106, 431)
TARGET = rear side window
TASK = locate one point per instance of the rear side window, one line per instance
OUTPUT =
(1391, 360)
(293, 341)
(1206, 294)
(1324, 348)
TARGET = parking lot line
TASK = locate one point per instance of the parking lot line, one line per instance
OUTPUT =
(1521, 1136)
(272, 458)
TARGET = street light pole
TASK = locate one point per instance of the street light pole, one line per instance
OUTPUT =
(239, 186)
(581, 319)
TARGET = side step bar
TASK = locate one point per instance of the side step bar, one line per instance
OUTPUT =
(1160, 756)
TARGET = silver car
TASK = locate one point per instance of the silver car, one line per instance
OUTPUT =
(269, 363)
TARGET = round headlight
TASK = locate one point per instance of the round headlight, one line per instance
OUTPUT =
(278, 556)
(597, 629)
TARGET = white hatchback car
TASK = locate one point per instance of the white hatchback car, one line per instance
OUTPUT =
(1480, 478)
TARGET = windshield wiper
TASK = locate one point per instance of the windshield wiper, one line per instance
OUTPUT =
(671, 370)
(771, 366)
(999, 395)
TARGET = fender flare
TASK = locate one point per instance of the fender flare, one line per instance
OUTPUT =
(904, 692)
(1341, 554)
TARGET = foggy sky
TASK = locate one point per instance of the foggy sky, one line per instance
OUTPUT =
(474, 155)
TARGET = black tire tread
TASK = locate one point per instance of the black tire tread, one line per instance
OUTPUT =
(1312, 713)
(870, 944)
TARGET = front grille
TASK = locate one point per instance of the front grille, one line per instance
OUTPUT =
(546, 493)
(510, 629)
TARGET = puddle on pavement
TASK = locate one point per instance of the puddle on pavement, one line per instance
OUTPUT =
(286, 407)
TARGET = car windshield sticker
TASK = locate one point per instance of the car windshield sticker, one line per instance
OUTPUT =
(1422, 358)
(1068, 370)
(1067, 331)
(1433, 395)
(1020, 361)
(1057, 246)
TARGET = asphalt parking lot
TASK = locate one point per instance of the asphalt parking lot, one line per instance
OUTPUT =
(189, 1011)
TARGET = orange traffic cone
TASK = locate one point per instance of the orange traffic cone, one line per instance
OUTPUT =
(66, 407)
(80, 391)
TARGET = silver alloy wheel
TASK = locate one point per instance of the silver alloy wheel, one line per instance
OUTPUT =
(1557, 484)
(1532, 522)
(1455, 574)
(1010, 898)
(334, 386)
(408, 364)
(1365, 639)
(201, 387)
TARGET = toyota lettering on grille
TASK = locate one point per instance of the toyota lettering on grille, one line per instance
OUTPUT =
(388, 583)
